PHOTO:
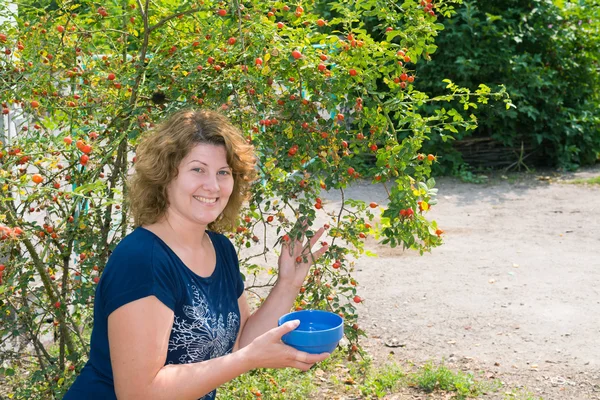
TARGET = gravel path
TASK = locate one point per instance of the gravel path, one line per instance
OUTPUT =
(514, 291)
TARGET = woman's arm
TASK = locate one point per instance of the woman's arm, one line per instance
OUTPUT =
(281, 298)
(278, 303)
(138, 335)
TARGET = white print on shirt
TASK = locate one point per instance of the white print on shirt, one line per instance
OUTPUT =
(201, 334)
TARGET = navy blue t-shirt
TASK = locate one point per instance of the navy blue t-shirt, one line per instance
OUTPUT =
(207, 316)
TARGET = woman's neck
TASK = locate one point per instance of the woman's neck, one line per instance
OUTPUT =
(186, 234)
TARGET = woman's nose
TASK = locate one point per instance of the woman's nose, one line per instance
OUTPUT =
(211, 183)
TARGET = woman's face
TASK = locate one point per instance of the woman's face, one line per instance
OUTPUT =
(203, 185)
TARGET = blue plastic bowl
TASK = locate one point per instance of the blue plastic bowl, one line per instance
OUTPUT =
(319, 331)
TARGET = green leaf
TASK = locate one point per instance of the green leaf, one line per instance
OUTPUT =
(430, 49)
(90, 187)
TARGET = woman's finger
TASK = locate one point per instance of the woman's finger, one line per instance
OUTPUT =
(315, 255)
(301, 357)
(308, 360)
(315, 238)
(300, 365)
(285, 248)
(285, 328)
(303, 227)
(306, 251)
(297, 247)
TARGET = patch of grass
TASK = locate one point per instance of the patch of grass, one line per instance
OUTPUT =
(358, 379)
(431, 378)
(590, 181)
(280, 384)
(334, 375)
(269, 384)
(383, 381)
(520, 394)
(466, 175)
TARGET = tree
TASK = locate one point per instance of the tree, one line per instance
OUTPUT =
(81, 83)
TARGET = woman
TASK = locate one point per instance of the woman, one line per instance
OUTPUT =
(171, 320)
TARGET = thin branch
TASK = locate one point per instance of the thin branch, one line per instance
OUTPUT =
(387, 190)
(170, 17)
(239, 15)
(245, 260)
(120, 162)
(101, 31)
(37, 261)
(32, 337)
(339, 217)
(141, 8)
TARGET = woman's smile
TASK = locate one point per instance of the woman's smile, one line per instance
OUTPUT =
(206, 200)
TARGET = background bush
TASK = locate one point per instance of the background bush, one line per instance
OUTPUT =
(546, 54)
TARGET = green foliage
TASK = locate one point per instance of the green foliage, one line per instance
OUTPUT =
(431, 377)
(465, 174)
(280, 383)
(79, 83)
(337, 374)
(589, 181)
(546, 54)
(269, 384)
(521, 394)
(383, 381)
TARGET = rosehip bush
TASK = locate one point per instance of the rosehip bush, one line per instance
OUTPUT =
(313, 93)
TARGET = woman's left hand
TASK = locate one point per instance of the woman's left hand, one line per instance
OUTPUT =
(296, 258)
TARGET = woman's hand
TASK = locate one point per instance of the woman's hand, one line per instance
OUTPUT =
(297, 257)
(268, 351)
(294, 262)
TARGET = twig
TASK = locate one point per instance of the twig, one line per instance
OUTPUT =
(520, 160)
(170, 17)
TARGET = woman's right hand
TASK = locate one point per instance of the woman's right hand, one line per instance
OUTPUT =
(268, 351)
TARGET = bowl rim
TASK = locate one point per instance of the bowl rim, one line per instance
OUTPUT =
(304, 331)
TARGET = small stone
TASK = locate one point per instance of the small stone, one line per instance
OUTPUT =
(394, 342)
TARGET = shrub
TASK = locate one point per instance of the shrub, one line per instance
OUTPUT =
(546, 54)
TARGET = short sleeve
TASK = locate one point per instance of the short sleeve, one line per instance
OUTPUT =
(136, 270)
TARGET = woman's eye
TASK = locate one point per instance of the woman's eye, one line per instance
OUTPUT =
(224, 172)
(197, 170)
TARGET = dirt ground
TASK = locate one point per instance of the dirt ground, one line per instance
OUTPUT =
(513, 293)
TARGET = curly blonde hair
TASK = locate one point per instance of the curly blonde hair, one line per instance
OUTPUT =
(162, 149)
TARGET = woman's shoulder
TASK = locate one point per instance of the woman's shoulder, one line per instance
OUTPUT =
(141, 251)
(140, 243)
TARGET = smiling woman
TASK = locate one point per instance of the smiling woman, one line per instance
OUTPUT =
(159, 155)
(170, 312)
(203, 185)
